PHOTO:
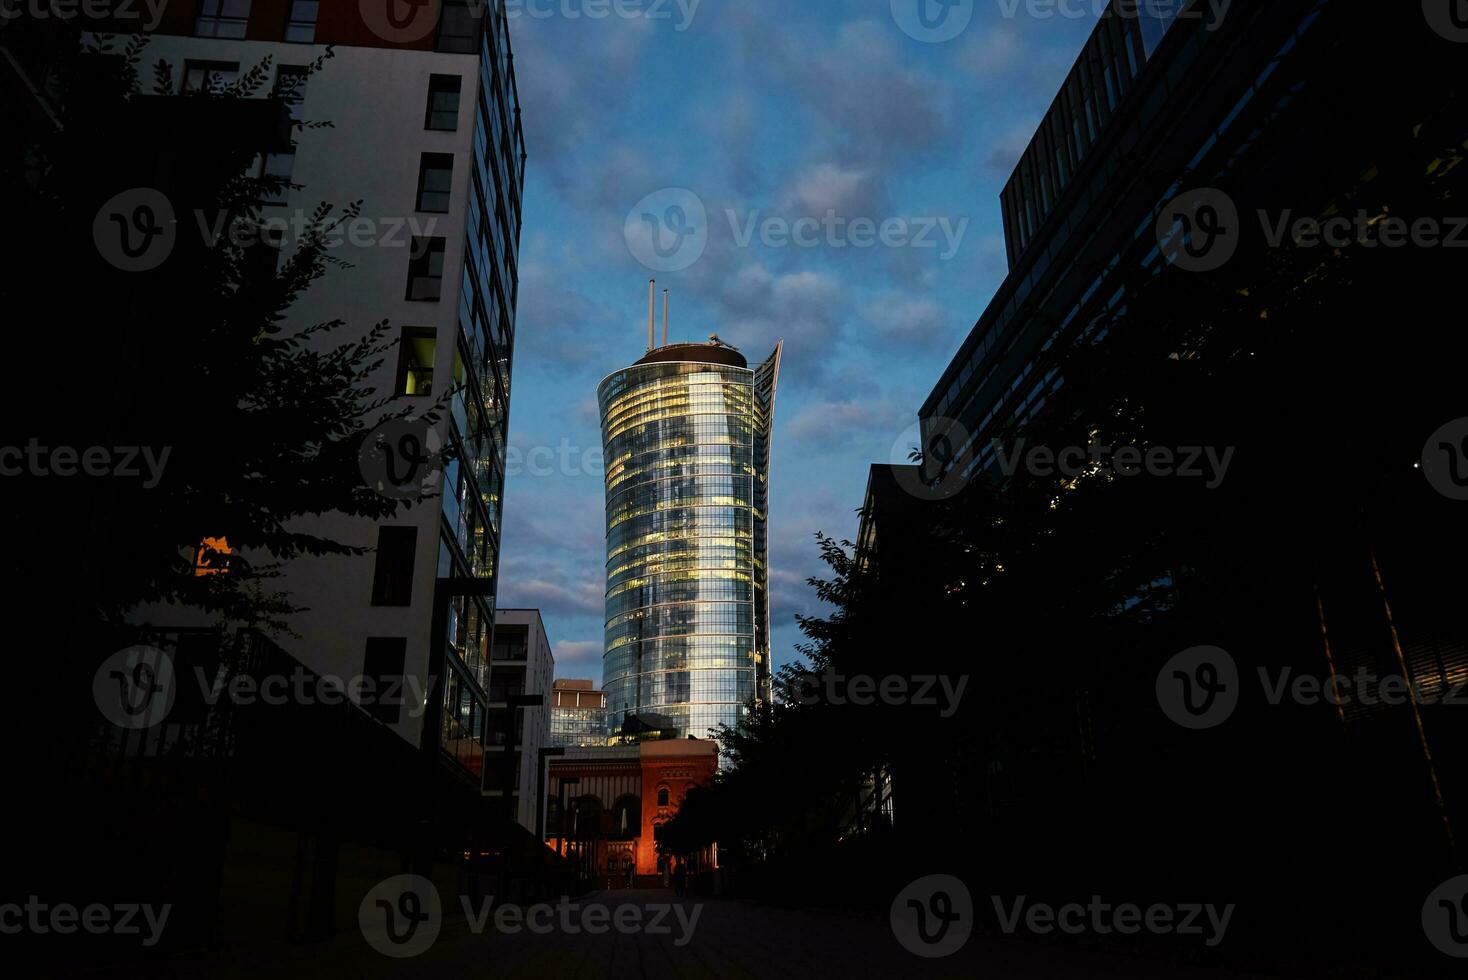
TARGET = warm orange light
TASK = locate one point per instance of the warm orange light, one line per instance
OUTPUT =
(212, 558)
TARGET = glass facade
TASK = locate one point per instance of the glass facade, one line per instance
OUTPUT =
(479, 412)
(1070, 284)
(1102, 76)
(687, 476)
(584, 727)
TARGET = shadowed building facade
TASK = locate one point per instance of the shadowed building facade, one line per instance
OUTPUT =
(686, 433)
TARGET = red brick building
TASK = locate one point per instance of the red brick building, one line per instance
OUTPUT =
(619, 797)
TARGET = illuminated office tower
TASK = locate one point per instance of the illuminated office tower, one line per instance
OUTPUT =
(686, 432)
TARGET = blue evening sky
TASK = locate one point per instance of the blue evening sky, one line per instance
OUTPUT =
(775, 109)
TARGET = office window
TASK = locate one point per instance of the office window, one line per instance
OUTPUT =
(222, 18)
(386, 664)
(435, 182)
(392, 581)
(443, 102)
(277, 169)
(425, 269)
(416, 351)
(300, 27)
(290, 88)
(458, 28)
(209, 76)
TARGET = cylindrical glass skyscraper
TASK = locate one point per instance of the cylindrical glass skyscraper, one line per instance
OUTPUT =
(686, 432)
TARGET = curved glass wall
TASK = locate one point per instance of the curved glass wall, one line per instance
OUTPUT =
(687, 472)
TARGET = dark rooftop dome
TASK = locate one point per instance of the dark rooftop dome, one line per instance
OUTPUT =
(713, 352)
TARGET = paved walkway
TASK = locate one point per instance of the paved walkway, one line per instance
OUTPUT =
(728, 939)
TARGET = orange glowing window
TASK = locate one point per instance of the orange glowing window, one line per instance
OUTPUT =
(212, 558)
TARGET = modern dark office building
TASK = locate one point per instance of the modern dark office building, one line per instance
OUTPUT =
(686, 432)
(1145, 268)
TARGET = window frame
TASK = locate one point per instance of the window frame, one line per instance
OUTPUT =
(420, 267)
(434, 162)
(218, 19)
(291, 23)
(209, 68)
(438, 85)
(392, 586)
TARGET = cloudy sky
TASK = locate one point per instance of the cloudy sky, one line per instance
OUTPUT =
(774, 110)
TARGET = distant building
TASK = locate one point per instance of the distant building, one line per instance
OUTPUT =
(620, 797)
(891, 518)
(522, 666)
(686, 433)
(578, 714)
